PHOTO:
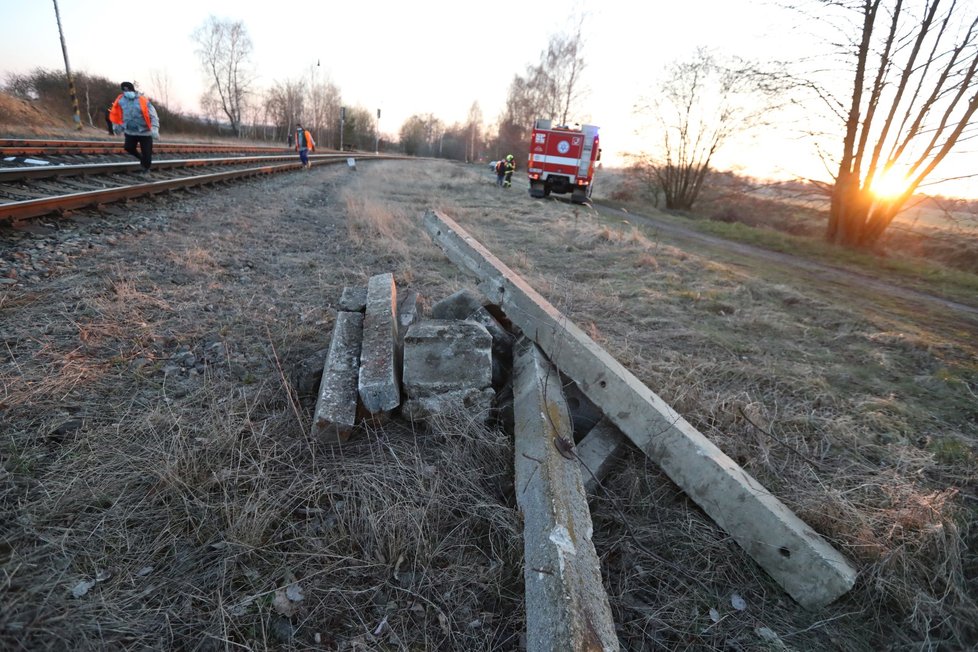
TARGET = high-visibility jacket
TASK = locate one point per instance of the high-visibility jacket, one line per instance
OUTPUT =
(303, 140)
(136, 117)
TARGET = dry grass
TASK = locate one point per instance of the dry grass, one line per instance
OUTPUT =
(190, 496)
(195, 525)
(829, 410)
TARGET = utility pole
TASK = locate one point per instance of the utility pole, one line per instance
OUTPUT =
(71, 81)
(377, 143)
(342, 121)
(317, 109)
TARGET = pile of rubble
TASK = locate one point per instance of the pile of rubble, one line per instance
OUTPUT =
(386, 358)
(500, 354)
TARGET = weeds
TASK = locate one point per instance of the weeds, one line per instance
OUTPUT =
(156, 461)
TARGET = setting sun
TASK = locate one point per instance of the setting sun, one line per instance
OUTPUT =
(889, 184)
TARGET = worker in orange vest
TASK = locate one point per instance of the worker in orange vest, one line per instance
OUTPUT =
(135, 116)
(304, 144)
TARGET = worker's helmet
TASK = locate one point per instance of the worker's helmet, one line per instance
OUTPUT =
(509, 157)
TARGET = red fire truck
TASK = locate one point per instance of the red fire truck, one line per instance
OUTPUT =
(562, 160)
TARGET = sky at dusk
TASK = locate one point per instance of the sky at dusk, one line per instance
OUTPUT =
(431, 56)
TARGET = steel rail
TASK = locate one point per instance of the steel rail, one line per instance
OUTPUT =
(14, 212)
(29, 147)
(12, 174)
(35, 142)
(117, 148)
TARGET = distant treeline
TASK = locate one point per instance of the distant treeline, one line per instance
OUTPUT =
(95, 95)
(270, 116)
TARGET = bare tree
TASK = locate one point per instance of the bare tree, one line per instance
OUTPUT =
(312, 102)
(359, 128)
(285, 103)
(421, 135)
(522, 105)
(160, 85)
(560, 74)
(224, 49)
(913, 98)
(455, 140)
(412, 135)
(323, 109)
(474, 135)
(551, 89)
(700, 104)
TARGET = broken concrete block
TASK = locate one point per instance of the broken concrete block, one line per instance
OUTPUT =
(458, 305)
(502, 339)
(597, 452)
(442, 355)
(585, 415)
(447, 368)
(566, 604)
(502, 345)
(408, 312)
(336, 407)
(353, 299)
(379, 384)
(474, 402)
(466, 304)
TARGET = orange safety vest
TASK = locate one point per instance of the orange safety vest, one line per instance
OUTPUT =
(307, 137)
(115, 115)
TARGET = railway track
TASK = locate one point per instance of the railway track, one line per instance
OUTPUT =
(33, 187)
(14, 148)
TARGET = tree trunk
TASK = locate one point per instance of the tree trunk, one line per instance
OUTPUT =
(936, 98)
(857, 219)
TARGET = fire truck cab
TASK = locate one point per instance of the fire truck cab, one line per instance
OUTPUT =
(562, 160)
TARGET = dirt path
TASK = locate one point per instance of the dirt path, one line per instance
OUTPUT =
(814, 270)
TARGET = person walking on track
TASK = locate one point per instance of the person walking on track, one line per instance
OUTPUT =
(135, 116)
(304, 144)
